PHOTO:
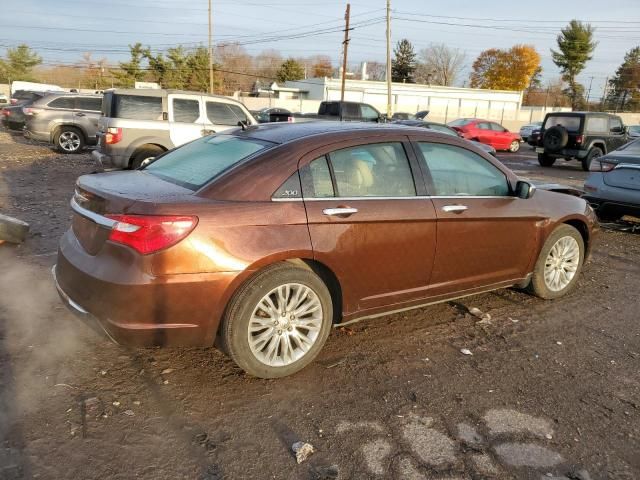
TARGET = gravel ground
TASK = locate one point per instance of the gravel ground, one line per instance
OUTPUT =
(551, 389)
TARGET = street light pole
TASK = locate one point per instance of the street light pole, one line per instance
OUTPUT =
(388, 58)
(210, 52)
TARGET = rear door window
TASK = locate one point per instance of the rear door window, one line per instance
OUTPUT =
(496, 127)
(89, 103)
(62, 102)
(484, 126)
(220, 113)
(137, 107)
(185, 110)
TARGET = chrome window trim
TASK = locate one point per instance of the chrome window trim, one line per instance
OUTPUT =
(420, 197)
(99, 219)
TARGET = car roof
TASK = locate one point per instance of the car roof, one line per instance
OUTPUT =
(158, 92)
(281, 132)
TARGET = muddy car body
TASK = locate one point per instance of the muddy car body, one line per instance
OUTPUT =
(357, 220)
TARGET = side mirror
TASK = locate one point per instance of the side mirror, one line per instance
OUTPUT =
(625, 130)
(617, 130)
(524, 189)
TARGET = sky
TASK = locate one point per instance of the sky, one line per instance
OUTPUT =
(60, 31)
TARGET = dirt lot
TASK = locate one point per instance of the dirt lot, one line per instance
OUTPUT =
(552, 388)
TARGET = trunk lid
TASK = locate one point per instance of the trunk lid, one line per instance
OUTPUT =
(134, 192)
(624, 175)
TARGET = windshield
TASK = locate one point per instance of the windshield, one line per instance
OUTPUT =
(461, 122)
(570, 123)
(442, 129)
(195, 164)
(632, 147)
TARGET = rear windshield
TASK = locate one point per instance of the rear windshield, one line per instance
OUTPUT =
(570, 123)
(195, 164)
(461, 122)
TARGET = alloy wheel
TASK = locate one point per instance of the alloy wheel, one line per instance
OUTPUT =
(69, 141)
(285, 324)
(562, 263)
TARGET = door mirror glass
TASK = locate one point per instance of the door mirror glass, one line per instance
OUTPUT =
(524, 190)
(617, 130)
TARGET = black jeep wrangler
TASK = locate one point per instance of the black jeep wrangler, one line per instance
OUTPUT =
(579, 135)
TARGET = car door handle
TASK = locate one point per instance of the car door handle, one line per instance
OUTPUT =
(454, 208)
(339, 212)
(207, 132)
(80, 114)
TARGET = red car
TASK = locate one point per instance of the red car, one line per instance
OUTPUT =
(484, 131)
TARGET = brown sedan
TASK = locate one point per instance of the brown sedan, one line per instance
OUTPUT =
(261, 239)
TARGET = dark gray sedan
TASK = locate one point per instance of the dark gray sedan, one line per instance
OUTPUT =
(613, 186)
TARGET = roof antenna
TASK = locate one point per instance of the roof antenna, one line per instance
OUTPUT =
(242, 125)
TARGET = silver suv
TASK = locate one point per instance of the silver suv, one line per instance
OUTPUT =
(138, 124)
(68, 121)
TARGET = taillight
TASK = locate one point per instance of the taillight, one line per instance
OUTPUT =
(6, 113)
(598, 165)
(113, 135)
(14, 101)
(579, 139)
(151, 233)
(31, 111)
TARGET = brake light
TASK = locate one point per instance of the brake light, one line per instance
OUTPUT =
(113, 135)
(31, 111)
(598, 165)
(579, 139)
(151, 233)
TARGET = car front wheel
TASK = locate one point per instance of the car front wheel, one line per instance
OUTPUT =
(278, 321)
(559, 264)
(515, 146)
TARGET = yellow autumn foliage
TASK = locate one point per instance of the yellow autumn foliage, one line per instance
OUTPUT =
(505, 69)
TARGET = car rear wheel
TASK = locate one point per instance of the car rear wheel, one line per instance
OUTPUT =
(515, 146)
(558, 266)
(145, 153)
(545, 160)
(69, 140)
(277, 322)
(595, 152)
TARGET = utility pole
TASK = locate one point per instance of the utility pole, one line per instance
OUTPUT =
(388, 58)
(589, 92)
(604, 94)
(210, 52)
(345, 48)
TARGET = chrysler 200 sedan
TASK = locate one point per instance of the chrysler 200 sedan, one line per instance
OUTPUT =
(259, 240)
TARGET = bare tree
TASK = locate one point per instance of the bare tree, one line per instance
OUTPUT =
(376, 71)
(439, 64)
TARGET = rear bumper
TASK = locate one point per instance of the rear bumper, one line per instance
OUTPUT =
(568, 153)
(136, 309)
(38, 136)
(612, 209)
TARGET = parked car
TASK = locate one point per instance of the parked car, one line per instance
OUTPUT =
(613, 186)
(262, 238)
(526, 130)
(579, 135)
(13, 116)
(68, 121)
(401, 116)
(272, 114)
(634, 131)
(4, 100)
(139, 124)
(534, 137)
(442, 128)
(485, 131)
(336, 110)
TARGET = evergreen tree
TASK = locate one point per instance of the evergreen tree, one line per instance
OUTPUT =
(403, 65)
(290, 70)
(18, 64)
(624, 93)
(131, 71)
(575, 49)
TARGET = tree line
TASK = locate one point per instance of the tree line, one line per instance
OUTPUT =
(516, 68)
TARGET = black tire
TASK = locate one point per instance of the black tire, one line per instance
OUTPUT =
(234, 330)
(69, 140)
(545, 160)
(141, 155)
(595, 152)
(555, 138)
(538, 286)
(515, 146)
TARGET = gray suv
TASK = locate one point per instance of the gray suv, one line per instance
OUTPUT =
(138, 124)
(68, 121)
